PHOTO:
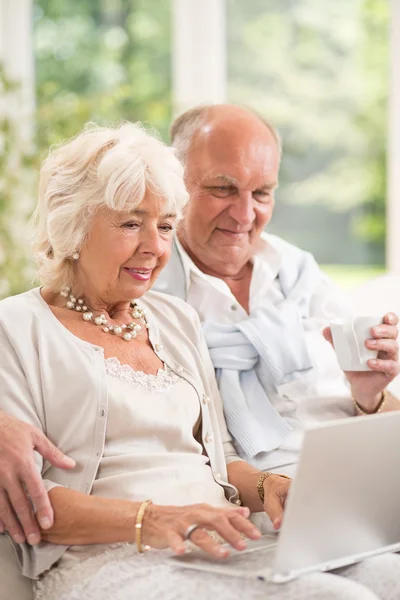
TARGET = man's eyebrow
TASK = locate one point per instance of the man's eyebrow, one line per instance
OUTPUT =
(268, 186)
(232, 181)
(168, 215)
(228, 179)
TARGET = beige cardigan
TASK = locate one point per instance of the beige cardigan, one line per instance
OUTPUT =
(57, 382)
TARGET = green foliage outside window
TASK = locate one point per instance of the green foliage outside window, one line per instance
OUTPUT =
(317, 70)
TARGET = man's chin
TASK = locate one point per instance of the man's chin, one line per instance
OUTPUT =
(231, 255)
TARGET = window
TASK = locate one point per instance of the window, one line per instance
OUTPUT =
(319, 72)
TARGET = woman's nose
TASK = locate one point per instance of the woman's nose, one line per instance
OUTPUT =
(152, 243)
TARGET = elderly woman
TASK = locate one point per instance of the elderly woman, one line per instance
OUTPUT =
(120, 379)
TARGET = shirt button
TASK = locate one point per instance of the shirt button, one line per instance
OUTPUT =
(158, 347)
(103, 412)
(233, 307)
(208, 438)
(179, 369)
(238, 502)
(206, 399)
(217, 475)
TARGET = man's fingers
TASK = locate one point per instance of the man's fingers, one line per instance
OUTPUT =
(390, 348)
(35, 488)
(9, 519)
(391, 319)
(328, 335)
(51, 452)
(385, 331)
(22, 509)
(390, 368)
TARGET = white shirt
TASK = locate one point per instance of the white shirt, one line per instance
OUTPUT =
(151, 448)
(319, 395)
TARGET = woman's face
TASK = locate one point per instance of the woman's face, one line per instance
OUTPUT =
(125, 252)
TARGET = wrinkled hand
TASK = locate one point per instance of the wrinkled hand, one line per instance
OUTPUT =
(19, 479)
(165, 527)
(276, 491)
(367, 386)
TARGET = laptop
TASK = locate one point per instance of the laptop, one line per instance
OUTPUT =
(343, 506)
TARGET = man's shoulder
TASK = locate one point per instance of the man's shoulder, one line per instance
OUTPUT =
(283, 246)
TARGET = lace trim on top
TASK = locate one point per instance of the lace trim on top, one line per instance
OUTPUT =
(162, 382)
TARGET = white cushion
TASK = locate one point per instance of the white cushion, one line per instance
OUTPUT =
(13, 585)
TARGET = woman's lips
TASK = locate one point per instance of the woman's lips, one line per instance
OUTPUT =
(140, 274)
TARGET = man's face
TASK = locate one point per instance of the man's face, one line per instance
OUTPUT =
(231, 176)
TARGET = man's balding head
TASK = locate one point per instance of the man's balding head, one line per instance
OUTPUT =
(220, 120)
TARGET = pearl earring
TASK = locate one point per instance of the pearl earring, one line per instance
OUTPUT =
(75, 256)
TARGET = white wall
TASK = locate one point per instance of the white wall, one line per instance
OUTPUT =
(198, 52)
(16, 56)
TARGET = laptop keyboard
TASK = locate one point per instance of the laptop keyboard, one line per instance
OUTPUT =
(254, 562)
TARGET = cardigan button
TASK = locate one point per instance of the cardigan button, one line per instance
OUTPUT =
(158, 347)
(208, 438)
(238, 502)
(179, 369)
(206, 399)
(217, 475)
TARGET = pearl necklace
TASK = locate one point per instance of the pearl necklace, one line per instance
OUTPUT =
(79, 305)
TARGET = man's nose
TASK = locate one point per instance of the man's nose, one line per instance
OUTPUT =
(242, 209)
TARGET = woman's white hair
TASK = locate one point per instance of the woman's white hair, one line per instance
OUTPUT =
(102, 166)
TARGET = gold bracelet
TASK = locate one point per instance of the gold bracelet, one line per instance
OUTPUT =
(260, 482)
(378, 407)
(138, 525)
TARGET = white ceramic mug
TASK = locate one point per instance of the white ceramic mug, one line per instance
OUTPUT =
(349, 339)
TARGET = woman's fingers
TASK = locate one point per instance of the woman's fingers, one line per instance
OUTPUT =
(274, 508)
(202, 539)
(245, 526)
(176, 542)
(276, 489)
(167, 526)
(230, 524)
(228, 531)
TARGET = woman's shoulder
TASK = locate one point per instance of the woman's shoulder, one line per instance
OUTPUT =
(165, 307)
(16, 310)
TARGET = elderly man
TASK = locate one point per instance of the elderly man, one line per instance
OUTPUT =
(263, 303)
